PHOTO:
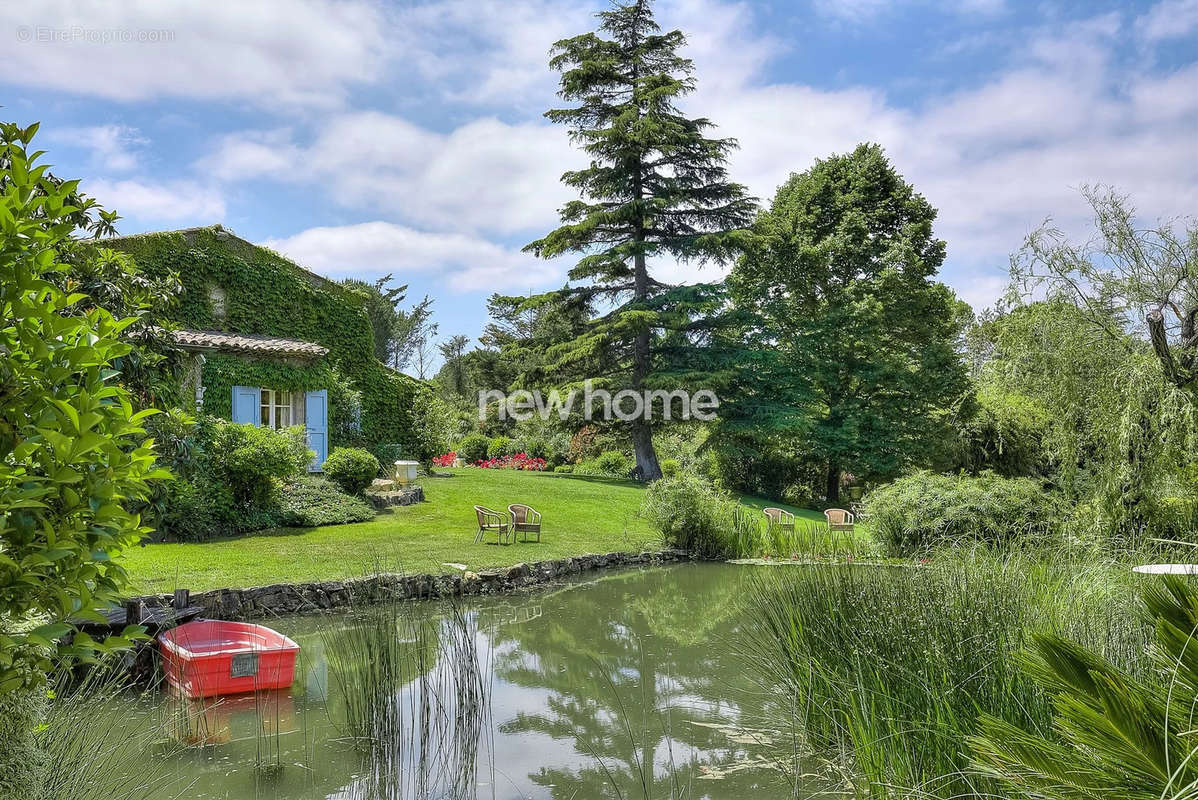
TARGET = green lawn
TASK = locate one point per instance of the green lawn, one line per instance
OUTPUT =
(581, 515)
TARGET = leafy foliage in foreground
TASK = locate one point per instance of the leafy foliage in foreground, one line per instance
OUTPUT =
(1114, 734)
(72, 450)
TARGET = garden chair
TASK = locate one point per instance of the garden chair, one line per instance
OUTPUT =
(492, 521)
(839, 520)
(525, 520)
(780, 517)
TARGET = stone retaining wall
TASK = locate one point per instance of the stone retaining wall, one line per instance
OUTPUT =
(286, 598)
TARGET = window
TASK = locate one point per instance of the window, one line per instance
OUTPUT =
(276, 409)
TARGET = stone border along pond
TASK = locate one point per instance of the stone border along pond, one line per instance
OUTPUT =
(286, 598)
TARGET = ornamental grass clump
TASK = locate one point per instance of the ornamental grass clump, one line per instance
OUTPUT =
(1114, 733)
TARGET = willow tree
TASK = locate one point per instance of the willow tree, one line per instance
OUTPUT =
(656, 186)
(1128, 277)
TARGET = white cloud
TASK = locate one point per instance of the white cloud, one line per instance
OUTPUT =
(858, 11)
(1169, 19)
(485, 175)
(252, 154)
(285, 52)
(148, 202)
(112, 148)
(996, 158)
(373, 249)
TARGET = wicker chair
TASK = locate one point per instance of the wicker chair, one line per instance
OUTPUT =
(525, 520)
(839, 520)
(780, 517)
(492, 521)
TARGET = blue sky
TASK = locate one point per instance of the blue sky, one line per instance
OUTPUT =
(365, 137)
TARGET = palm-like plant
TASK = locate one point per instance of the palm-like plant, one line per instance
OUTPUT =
(1114, 734)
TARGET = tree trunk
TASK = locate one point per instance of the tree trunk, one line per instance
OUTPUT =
(646, 454)
(833, 487)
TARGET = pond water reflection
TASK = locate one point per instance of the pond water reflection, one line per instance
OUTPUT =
(620, 686)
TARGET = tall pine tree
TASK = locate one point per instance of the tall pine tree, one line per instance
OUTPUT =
(656, 186)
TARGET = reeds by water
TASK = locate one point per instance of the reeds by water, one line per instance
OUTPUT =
(416, 698)
(885, 670)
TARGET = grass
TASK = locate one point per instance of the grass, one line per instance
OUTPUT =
(884, 671)
(582, 514)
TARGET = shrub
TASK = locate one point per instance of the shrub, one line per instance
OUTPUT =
(923, 510)
(311, 500)
(565, 469)
(799, 494)
(74, 461)
(610, 463)
(690, 514)
(472, 448)
(669, 467)
(499, 447)
(351, 468)
(253, 459)
(535, 448)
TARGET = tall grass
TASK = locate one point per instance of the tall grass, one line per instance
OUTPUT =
(749, 535)
(88, 759)
(416, 699)
(885, 670)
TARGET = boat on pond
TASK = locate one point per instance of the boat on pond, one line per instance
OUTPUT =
(211, 657)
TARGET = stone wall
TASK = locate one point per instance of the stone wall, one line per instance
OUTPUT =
(286, 598)
(406, 496)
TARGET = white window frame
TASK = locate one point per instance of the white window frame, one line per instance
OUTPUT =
(272, 401)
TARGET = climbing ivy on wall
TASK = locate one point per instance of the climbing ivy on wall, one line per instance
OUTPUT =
(223, 372)
(265, 293)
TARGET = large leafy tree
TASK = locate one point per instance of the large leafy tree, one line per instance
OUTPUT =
(656, 186)
(73, 454)
(855, 343)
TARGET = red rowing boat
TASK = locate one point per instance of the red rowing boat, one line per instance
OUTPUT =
(212, 657)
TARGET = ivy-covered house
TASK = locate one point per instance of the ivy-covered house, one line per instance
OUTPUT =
(270, 343)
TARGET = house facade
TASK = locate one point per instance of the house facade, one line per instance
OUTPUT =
(271, 343)
(268, 406)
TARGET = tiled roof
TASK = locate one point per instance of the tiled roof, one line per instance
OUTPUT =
(247, 343)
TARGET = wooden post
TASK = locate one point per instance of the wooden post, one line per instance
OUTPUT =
(182, 599)
(132, 612)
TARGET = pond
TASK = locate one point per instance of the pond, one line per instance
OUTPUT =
(621, 686)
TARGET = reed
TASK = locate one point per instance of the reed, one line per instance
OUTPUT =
(885, 670)
(416, 697)
(91, 761)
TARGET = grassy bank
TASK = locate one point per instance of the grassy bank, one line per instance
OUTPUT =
(581, 515)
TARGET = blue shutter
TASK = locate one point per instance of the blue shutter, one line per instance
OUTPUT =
(246, 401)
(316, 420)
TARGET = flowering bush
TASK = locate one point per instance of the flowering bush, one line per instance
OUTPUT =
(517, 461)
(445, 460)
